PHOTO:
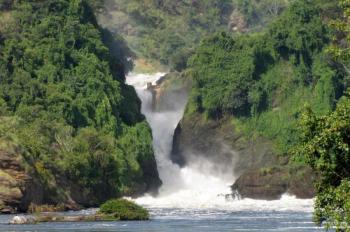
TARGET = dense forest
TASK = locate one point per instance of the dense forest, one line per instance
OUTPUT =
(324, 141)
(262, 78)
(278, 69)
(277, 84)
(274, 67)
(64, 105)
(169, 31)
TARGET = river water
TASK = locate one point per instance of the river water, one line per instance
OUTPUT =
(190, 220)
(192, 198)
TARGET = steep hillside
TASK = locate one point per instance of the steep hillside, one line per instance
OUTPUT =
(249, 91)
(168, 31)
(71, 131)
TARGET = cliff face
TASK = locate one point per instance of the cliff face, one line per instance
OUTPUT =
(22, 188)
(259, 172)
(217, 141)
(18, 188)
(13, 180)
(272, 182)
(171, 92)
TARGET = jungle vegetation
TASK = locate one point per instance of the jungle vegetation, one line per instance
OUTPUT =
(64, 104)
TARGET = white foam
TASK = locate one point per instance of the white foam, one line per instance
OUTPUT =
(198, 185)
(139, 80)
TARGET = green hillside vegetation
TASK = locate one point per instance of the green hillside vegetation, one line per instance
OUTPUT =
(289, 84)
(168, 31)
(64, 104)
(325, 143)
(264, 79)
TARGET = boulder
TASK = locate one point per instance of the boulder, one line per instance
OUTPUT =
(260, 172)
(272, 183)
(20, 220)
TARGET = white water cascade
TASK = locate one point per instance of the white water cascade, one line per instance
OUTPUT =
(194, 186)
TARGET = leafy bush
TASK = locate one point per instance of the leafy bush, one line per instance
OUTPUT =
(123, 210)
(324, 145)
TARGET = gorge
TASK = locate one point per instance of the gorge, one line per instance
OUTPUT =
(201, 184)
(213, 115)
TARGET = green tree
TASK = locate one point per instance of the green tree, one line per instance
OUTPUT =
(325, 146)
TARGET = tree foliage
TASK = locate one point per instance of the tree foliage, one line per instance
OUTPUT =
(263, 79)
(62, 79)
(324, 145)
(232, 74)
(168, 31)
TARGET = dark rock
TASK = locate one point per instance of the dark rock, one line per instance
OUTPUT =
(217, 142)
(177, 155)
(272, 183)
(261, 173)
(260, 185)
(302, 183)
(7, 210)
(151, 178)
(170, 92)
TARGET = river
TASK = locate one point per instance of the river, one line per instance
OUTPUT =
(192, 198)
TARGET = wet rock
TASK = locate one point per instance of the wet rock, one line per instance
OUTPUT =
(7, 210)
(260, 185)
(272, 183)
(12, 181)
(261, 173)
(218, 142)
(170, 92)
(20, 220)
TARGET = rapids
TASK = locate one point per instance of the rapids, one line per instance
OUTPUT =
(192, 199)
(198, 185)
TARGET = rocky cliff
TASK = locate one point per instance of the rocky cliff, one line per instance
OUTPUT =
(23, 188)
(13, 180)
(259, 172)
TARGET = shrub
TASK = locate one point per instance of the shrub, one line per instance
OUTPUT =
(123, 209)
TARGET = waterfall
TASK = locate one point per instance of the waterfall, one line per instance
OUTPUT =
(199, 184)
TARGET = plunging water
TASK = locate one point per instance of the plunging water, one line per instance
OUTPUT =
(193, 198)
(196, 185)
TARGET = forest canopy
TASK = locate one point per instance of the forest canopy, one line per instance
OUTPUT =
(261, 78)
(64, 104)
(288, 83)
(169, 31)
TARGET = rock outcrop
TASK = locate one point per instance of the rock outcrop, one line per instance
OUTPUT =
(13, 180)
(272, 183)
(237, 22)
(218, 142)
(22, 189)
(170, 92)
(259, 172)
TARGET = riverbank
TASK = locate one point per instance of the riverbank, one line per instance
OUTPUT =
(190, 220)
(112, 210)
